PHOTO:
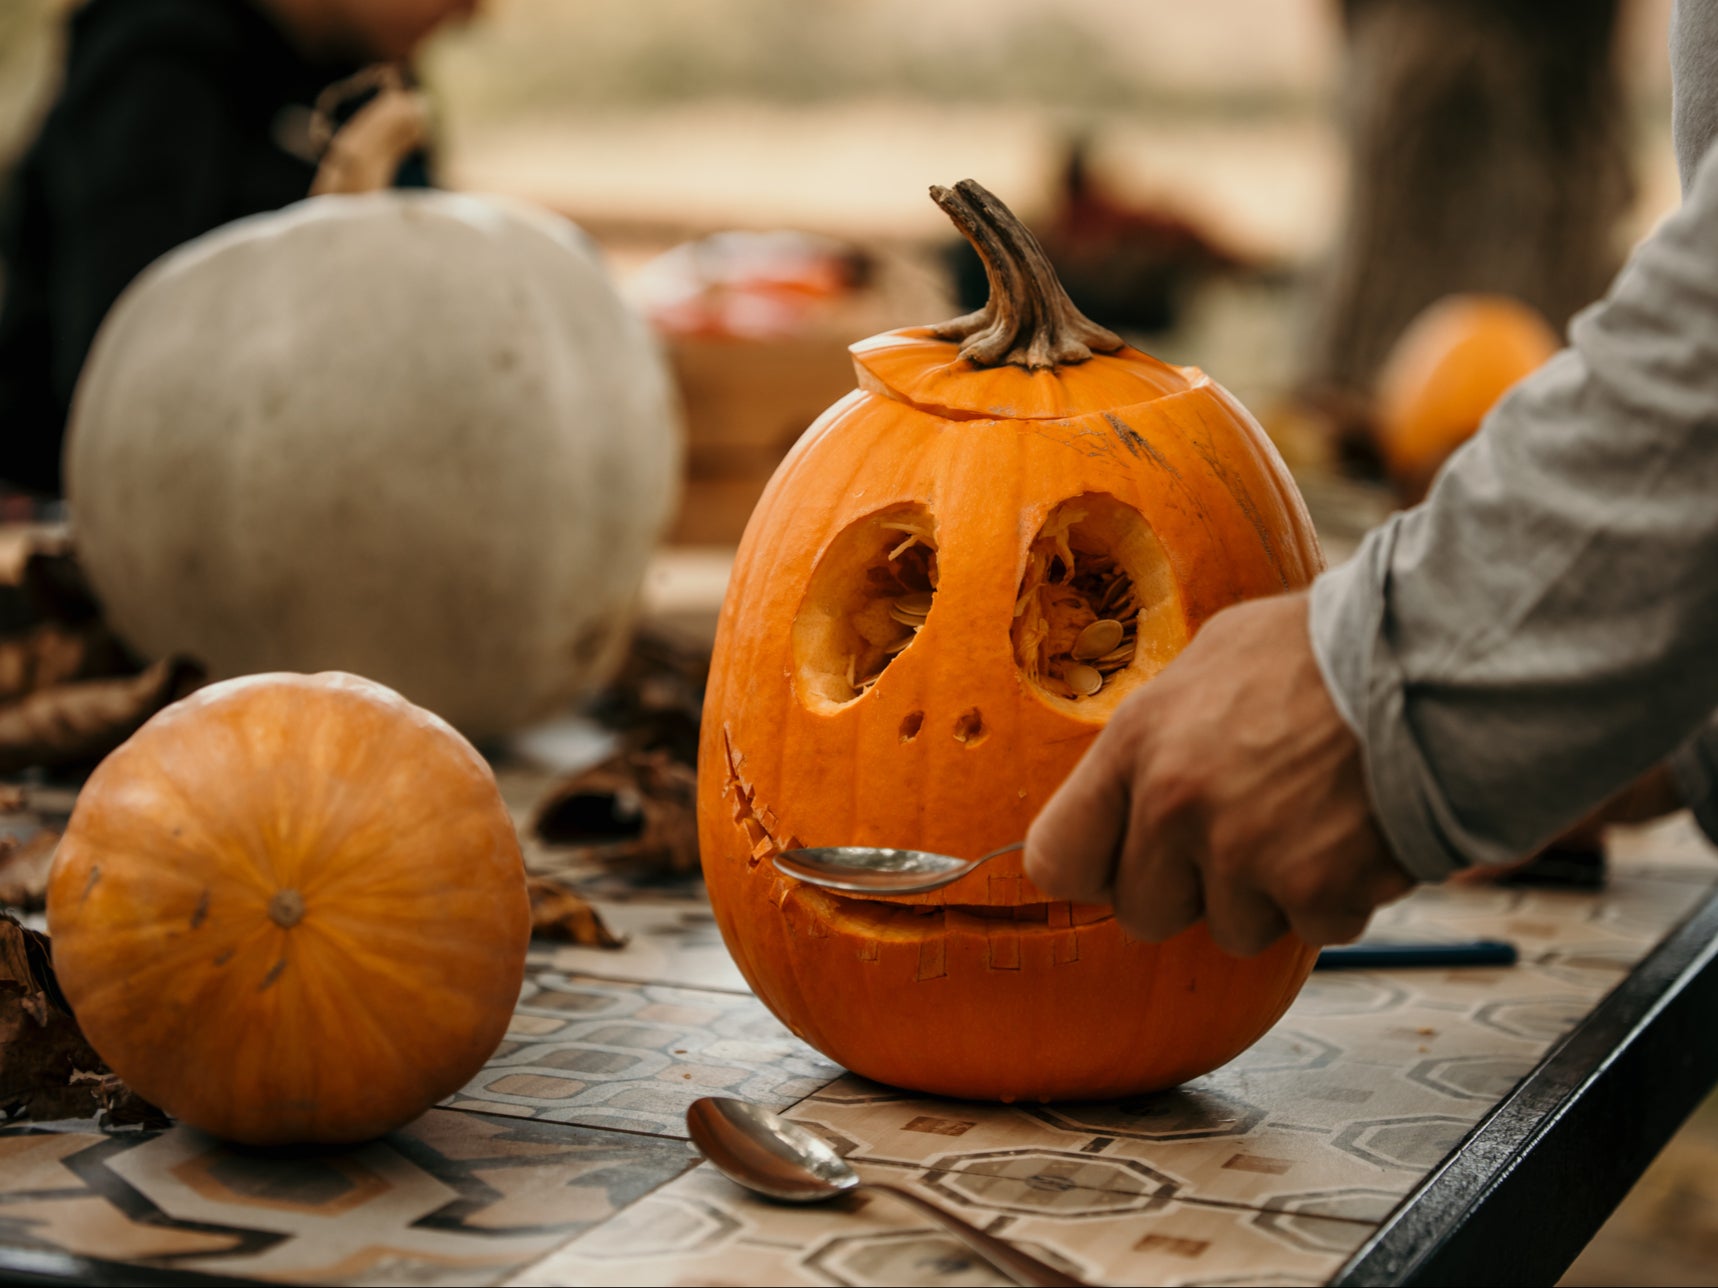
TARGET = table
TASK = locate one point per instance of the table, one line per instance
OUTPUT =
(1395, 1127)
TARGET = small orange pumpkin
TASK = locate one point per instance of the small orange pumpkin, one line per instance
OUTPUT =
(1448, 369)
(291, 909)
(949, 585)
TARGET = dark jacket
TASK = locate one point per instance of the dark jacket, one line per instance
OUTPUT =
(174, 116)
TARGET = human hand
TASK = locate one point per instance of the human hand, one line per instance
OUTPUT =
(1229, 787)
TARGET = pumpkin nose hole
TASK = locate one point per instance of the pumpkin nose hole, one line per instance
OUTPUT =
(1097, 611)
(969, 729)
(868, 598)
(911, 723)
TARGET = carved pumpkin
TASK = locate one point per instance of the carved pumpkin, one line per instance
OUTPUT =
(291, 909)
(413, 435)
(1448, 369)
(949, 585)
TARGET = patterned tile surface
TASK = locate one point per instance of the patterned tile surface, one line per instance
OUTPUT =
(633, 1056)
(1273, 1169)
(666, 943)
(565, 1161)
(453, 1198)
(701, 1229)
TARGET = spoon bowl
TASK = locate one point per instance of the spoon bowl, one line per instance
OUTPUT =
(866, 869)
(764, 1152)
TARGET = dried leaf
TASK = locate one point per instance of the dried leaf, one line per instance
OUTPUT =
(70, 691)
(88, 719)
(24, 870)
(636, 808)
(655, 702)
(562, 914)
(41, 1047)
(118, 1106)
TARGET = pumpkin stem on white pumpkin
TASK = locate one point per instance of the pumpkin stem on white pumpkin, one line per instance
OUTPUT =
(364, 154)
(1029, 321)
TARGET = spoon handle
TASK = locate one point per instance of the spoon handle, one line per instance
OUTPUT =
(1021, 1267)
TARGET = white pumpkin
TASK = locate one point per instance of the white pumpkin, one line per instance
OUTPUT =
(412, 435)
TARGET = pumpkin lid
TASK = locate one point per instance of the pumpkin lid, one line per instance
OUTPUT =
(1028, 354)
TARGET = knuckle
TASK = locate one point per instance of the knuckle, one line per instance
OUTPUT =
(1172, 786)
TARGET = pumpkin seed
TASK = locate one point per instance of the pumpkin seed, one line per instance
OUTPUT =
(918, 604)
(1099, 638)
(898, 645)
(1084, 679)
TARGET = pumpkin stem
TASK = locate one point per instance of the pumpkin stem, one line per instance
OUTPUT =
(364, 154)
(1029, 321)
(286, 909)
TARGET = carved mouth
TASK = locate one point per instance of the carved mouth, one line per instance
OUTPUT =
(886, 917)
(889, 919)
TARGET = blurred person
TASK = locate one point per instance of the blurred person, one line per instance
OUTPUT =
(1539, 633)
(173, 117)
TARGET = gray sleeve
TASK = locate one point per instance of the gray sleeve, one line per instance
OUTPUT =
(1544, 627)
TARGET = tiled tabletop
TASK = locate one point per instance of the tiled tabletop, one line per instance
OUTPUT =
(566, 1161)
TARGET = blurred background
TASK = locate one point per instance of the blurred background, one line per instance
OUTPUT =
(1263, 188)
(1272, 190)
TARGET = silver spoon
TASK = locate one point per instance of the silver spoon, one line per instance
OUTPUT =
(868, 869)
(766, 1153)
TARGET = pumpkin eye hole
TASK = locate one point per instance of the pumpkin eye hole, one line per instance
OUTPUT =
(1098, 611)
(868, 597)
(911, 723)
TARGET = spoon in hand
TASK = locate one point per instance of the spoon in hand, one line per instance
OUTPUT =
(766, 1153)
(866, 869)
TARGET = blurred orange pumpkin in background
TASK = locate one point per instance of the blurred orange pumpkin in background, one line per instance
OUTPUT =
(950, 584)
(1451, 365)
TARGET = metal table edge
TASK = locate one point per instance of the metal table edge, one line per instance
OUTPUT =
(1525, 1191)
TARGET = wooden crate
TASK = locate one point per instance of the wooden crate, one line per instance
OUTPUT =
(746, 403)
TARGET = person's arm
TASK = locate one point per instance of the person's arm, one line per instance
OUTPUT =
(1490, 666)
(1545, 627)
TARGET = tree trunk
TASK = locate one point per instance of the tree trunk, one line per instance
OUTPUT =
(1488, 153)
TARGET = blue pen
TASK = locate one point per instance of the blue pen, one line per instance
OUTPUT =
(1384, 955)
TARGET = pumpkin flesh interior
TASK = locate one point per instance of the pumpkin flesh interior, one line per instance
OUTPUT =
(1095, 560)
(870, 594)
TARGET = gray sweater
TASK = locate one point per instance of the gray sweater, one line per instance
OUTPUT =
(1544, 627)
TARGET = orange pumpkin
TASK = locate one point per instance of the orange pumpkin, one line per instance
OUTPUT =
(1448, 369)
(291, 909)
(898, 663)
